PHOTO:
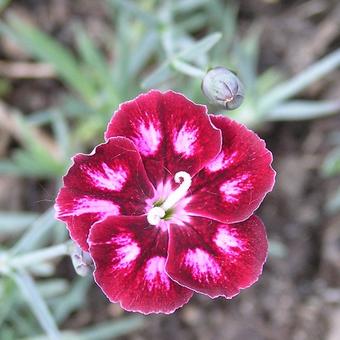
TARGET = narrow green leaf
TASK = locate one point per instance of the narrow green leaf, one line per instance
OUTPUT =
(296, 84)
(134, 9)
(61, 132)
(94, 59)
(188, 69)
(34, 234)
(103, 331)
(14, 222)
(122, 50)
(8, 298)
(331, 165)
(142, 53)
(37, 159)
(109, 330)
(39, 118)
(184, 6)
(43, 255)
(4, 4)
(49, 50)
(73, 300)
(11, 168)
(37, 304)
(246, 57)
(53, 288)
(158, 76)
(22, 323)
(200, 47)
(303, 109)
(267, 80)
(193, 23)
(277, 249)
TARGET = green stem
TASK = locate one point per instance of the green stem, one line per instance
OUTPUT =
(188, 69)
(293, 86)
(303, 109)
(41, 255)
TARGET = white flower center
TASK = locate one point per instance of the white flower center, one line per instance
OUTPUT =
(157, 213)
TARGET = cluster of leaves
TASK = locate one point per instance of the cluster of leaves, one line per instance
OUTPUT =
(168, 44)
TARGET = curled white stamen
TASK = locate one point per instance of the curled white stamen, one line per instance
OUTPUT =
(155, 214)
(180, 192)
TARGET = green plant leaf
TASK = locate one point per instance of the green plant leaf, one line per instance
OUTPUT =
(188, 69)
(142, 53)
(184, 6)
(103, 331)
(49, 50)
(158, 76)
(62, 133)
(15, 222)
(331, 165)
(199, 47)
(267, 80)
(95, 61)
(36, 303)
(35, 233)
(73, 300)
(296, 84)
(132, 8)
(4, 4)
(303, 109)
(246, 57)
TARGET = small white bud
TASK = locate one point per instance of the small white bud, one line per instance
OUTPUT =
(223, 88)
(82, 261)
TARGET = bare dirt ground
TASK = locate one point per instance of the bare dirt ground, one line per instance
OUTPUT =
(298, 295)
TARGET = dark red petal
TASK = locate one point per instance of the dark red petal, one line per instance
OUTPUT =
(214, 258)
(109, 181)
(232, 186)
(130, 257)
(171, 133)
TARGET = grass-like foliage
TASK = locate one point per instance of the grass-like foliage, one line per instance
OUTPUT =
(170, 44)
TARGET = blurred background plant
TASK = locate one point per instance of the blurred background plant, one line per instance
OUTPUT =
(145, 44)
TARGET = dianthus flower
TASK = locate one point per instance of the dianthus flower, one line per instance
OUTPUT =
(164, 206)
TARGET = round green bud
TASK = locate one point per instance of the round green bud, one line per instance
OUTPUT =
(223, 88)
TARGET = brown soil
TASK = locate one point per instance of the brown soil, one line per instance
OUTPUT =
(298, 295)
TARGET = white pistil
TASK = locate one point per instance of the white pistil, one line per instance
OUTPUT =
(180, 192)
(157, 213)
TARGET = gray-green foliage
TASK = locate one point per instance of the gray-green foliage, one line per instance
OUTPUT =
(152, 44)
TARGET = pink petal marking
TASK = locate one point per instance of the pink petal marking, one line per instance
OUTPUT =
(222, 161)
(226, 239)
(233, 188)
(112, 179)
(153, 265)
(201, 264)
(89, 205)
(130, 257)
(127, 250)
(171, 133)
(216, 259)
(184, 140)
(155, 274)
(149, 139)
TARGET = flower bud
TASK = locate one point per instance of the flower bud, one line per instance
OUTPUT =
(81, 261)
(223, 88)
